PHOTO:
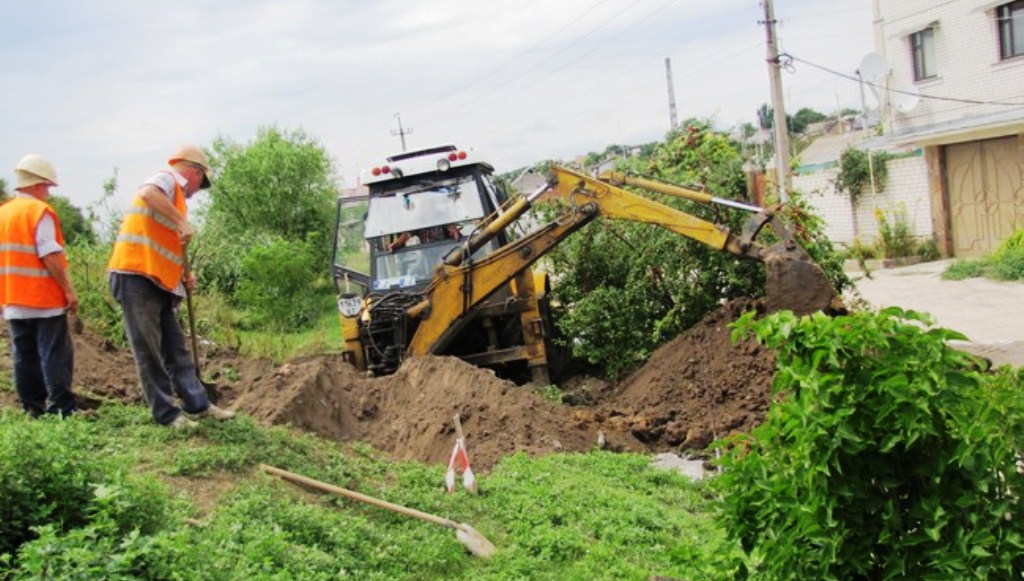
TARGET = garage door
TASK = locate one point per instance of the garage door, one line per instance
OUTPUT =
(985, 181)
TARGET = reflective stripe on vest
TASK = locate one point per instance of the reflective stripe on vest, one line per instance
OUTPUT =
(148, 243)
(24, 279)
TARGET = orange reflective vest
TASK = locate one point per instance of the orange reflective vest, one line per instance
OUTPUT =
(25, 280)
(148, 243)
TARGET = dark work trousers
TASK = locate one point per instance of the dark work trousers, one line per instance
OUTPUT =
(164, 364)
(44, 362)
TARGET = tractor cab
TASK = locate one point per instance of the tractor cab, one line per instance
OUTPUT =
(420, 206)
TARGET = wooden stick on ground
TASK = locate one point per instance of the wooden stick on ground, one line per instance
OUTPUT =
(467, 535)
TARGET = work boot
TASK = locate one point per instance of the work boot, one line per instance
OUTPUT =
(182, 423)
(216, 413)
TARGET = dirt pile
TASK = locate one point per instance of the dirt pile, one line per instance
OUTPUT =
(696, 387)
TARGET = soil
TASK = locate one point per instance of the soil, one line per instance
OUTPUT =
(693, 389)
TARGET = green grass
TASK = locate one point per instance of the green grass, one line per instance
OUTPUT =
(323, 337)
(1005, 263)
(581, 516)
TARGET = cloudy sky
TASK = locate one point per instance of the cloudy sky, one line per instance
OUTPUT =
(121, 83)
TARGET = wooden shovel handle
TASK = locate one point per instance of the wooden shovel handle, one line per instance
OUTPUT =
(191, 317)
(353, 495)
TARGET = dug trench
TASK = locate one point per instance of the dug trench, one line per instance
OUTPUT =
(698, 386)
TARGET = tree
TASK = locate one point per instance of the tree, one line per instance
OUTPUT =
(76, 229)
(278, 187)
(628, 287)
(798, 123)
(3, 190)
(280, 183)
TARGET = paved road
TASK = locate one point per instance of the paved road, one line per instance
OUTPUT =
(989, 313)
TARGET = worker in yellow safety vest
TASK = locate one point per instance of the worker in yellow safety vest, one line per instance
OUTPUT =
(35, 292)
(147, 277)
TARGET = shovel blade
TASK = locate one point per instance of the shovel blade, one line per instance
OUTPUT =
(474, 541)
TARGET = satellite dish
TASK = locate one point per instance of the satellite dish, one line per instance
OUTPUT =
(873, 68)
(905, 99)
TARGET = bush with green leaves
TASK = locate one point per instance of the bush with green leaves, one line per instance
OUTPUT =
(896, 237)
(1005, 263)
(49, 481)
(279, 284)
(886, 455)
(97, 306)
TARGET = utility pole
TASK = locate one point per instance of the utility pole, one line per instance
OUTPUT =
(401, 132)
(781, 128)
(673, 121)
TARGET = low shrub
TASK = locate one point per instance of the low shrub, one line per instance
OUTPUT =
(279, 285)
(896, 238)
(51, 484)
(928, 251)
(888, 455)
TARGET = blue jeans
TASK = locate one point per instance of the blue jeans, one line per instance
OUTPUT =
(44, 362)
(164, 364)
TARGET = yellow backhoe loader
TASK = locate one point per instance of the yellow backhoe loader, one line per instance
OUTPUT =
(427, 261)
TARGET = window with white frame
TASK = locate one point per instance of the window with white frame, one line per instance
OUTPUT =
(1011, 29)
(922, 47)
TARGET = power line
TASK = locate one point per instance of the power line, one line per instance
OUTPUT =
(522, 86)
(789, 57)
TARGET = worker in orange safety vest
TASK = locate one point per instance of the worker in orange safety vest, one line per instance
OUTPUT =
(36, 293)
(147, 277)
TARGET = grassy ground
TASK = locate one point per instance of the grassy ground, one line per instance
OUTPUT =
(127, 490)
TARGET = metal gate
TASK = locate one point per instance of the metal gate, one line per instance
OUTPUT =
(985, 183)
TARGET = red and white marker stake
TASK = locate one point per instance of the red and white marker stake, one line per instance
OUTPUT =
(460, 462)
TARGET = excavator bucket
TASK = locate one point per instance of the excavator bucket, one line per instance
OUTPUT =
(795, 282)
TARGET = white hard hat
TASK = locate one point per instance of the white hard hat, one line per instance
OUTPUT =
(35, 169)
(195, 155)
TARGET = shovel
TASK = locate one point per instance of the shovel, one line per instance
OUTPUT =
(212, 392)
(467, 535)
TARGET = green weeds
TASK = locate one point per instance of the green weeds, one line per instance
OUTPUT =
(111, 497)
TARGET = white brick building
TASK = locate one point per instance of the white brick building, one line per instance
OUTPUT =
(905, 189)
(956, 89)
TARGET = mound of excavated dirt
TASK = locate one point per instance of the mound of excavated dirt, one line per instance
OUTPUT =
(694, 388)
(698, 386)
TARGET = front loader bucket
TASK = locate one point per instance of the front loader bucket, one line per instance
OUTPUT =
(795, 282)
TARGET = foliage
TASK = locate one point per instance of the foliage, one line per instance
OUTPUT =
(97, 306)
(809, 232)
(74, 226)
(861, 251)
(103, 215)
(797, 123)
(627, 287)
(281, 183)
(897, 239)
(277, 283)
(1005, 263)
(928, 250)
(578, 517)
(887, 455)
(272, 200)
(963, 268)
(801, 119)
(855, 172)
(3, 190)
(50, 486)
